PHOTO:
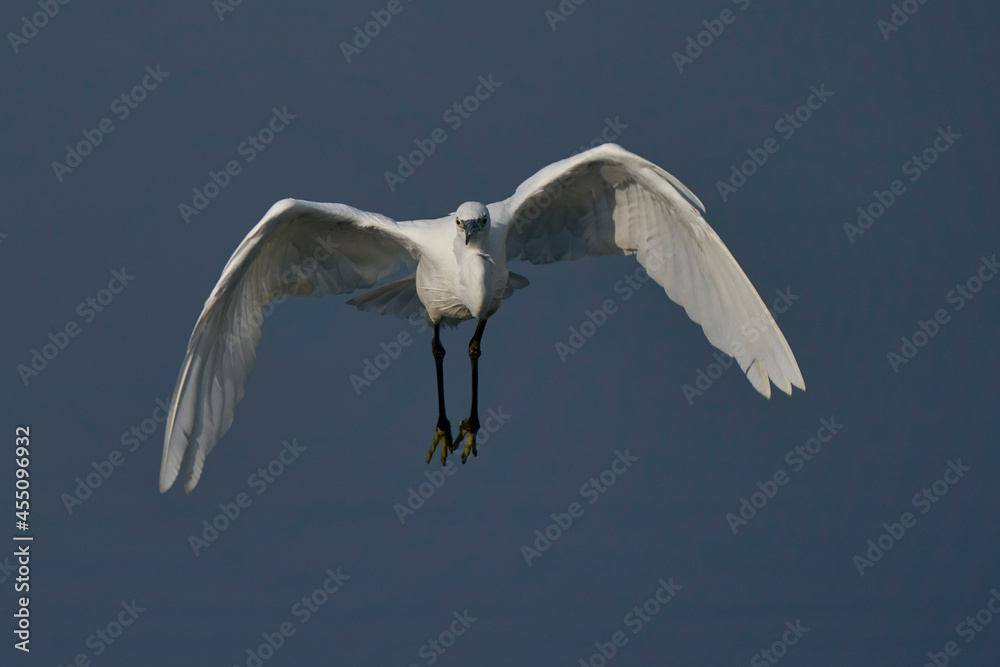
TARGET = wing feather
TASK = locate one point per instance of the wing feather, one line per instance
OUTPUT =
(298, 248)
(607, 201)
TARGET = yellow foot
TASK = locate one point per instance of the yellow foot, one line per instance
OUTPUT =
(443, 435)
(469, 431)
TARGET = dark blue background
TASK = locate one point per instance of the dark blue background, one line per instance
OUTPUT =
(663, 518)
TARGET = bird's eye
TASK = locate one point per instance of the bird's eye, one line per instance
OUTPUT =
(457, 222)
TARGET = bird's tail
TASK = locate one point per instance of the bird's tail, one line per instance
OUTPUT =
(397, 298)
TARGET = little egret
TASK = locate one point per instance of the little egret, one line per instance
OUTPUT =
(604, 201)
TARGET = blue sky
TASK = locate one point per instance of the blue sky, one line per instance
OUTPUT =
(850, 168)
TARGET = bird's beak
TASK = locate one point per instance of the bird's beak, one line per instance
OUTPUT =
(468, 235)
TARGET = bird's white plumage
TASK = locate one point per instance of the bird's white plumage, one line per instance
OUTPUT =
(605, 201)
(298, 248)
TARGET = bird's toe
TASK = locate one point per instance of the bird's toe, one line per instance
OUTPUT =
(468, 430)
(442, 434)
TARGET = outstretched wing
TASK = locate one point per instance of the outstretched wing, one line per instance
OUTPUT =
(299, 248)
(607, 201)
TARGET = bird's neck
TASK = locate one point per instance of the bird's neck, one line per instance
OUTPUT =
(476, 273)
(477, 245)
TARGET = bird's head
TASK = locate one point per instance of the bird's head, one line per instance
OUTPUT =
(472, 219)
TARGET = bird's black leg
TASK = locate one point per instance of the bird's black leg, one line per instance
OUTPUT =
(470, 426)
(443, 433)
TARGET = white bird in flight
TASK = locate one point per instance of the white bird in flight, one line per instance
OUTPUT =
(604, 201)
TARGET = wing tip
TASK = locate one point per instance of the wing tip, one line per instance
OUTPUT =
(166, 480)
(762, 380)
(168, 471)
(788, 383)
(193, 474)
(795, 378)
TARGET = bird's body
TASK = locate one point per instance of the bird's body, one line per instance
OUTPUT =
(456, 280)
(605, 201)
